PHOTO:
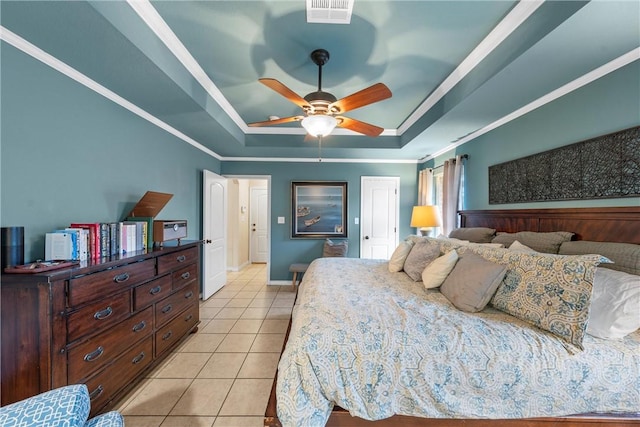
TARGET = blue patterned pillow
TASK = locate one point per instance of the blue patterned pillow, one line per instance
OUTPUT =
(65, 406)
(552, 292)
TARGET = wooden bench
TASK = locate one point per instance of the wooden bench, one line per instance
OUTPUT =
(298, 270)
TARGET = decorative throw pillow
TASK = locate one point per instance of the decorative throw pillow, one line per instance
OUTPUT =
(445, 244)
(625, 256)
(615, 304)
(552, 292)
(472, 282)
(541, 242)
(474, 234)
(396, 263)
(434, 274)
(335, 249)
(421, 255)
(517, 246)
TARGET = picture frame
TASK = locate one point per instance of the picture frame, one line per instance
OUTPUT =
(318, 209)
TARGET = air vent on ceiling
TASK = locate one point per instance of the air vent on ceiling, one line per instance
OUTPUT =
(329, 11)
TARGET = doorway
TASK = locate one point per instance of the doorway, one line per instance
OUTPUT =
(379, 212)
(249, 218)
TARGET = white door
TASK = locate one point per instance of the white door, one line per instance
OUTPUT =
(214, 232)
(259, 202)
(379, 213)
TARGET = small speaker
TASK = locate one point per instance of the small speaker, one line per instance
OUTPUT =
(12, 246)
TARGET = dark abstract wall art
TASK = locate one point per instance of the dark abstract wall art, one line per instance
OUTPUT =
(604, 167)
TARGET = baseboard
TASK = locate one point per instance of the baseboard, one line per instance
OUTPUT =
(238, 268)
(279, 282)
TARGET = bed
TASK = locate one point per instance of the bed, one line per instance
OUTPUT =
(368, 344)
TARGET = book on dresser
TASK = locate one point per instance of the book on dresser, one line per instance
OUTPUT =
(94, 237)
(60, 245)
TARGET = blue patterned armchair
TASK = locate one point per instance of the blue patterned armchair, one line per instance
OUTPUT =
(65, 406)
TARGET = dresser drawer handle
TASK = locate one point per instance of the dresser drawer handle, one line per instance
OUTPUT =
(155, 290)
(181, 258)
(167, 336)
(103, 314)
(138, 358)
(140, 326)
(121, 278)
(97, 392)
(186, 275)
(90, 357)
(189, 317)
(188, 295)
(167, 308)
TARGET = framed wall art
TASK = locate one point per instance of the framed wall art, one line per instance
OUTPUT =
(318, 209)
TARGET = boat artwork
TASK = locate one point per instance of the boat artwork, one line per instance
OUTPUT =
(310, 222)
(303, 211)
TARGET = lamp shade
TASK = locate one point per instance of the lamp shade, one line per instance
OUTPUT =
(425, 216)
(319, 125)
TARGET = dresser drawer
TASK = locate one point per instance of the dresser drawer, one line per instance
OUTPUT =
(175, 330)
(169, 307)
(97, 285)
(153, 291)
(97, 316)
(98, 351)
(103, 386)
(185, 276)
(167, 263)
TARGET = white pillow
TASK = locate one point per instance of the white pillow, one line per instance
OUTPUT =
(435, 273)
(517, 246)
(615, 304)
(396, 263)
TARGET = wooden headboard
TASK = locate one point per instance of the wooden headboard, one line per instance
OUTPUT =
(620, 224)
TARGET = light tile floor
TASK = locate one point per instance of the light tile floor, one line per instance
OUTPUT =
(220, 376)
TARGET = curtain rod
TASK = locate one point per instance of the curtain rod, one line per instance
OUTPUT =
(464, 156)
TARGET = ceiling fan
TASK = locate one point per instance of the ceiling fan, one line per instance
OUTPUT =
(322, 111)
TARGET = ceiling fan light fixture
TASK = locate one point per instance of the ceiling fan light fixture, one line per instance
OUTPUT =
(319, 125)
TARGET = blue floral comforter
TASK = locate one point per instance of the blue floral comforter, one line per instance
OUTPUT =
(377, 344)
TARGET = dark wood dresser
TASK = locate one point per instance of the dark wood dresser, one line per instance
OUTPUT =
(102, 323)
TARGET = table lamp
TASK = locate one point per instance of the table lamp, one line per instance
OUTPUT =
(425, 217)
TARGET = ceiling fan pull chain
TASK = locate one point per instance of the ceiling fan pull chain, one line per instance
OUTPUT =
(319, 148)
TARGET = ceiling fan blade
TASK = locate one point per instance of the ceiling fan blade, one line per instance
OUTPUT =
(276, 121)
(285, 91)
(375, 93)
(358, 126)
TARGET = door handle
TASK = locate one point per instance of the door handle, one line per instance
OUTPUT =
(253, 229)
(366, 237)
(208, 241)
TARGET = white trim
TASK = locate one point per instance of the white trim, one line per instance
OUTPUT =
(520, 12)
(609, 67)
(154, 21)
(315, 160)
(39, 54)
(300, 131)
(278, 283)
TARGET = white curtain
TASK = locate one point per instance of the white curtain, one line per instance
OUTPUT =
(452, 176)
(425, 187)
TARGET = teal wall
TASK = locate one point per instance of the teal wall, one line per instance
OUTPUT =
(610, 104)
(68, 154)
(284, 249)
